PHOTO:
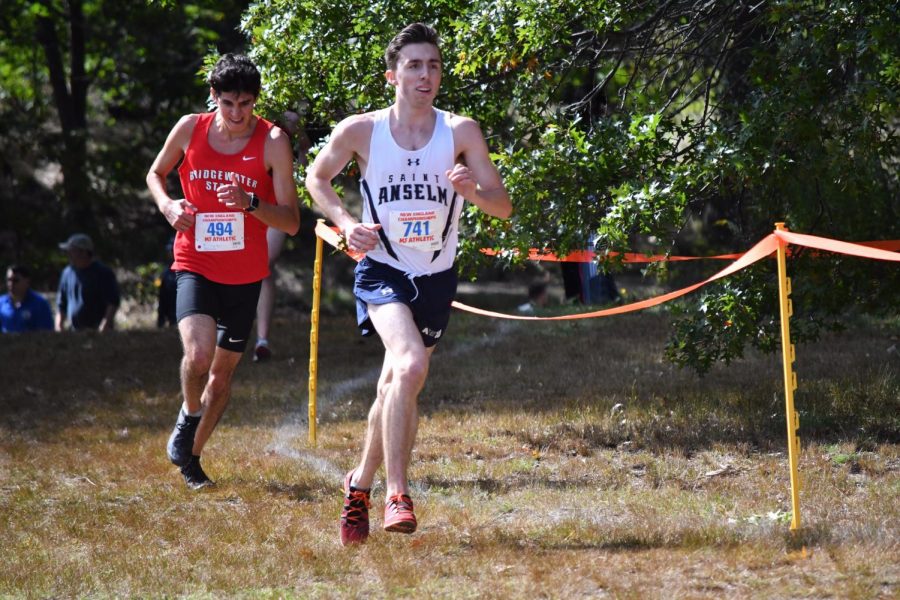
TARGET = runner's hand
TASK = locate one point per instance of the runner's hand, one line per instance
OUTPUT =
(233, 195)
(361, 237)
(180, 214)
(461, 179)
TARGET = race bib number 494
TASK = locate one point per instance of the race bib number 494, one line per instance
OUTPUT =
(219, 231)
(416, 229)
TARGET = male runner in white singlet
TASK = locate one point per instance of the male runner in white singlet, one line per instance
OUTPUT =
(418, 165)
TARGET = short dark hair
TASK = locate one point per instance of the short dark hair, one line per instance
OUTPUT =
(20, 270)
(235, 73)
(417, 33)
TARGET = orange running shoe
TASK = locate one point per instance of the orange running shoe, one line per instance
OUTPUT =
(398, 514)
(355, 516)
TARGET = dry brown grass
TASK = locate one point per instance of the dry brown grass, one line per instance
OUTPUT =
(526, 482)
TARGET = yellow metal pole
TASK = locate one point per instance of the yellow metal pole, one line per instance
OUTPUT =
(789, 354)
(314, 340)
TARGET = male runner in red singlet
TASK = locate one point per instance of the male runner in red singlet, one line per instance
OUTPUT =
(418, 164)
(237, 178)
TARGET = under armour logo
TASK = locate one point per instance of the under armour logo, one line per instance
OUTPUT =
(411, 161)
(428, 332)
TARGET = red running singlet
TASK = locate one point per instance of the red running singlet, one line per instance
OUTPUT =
(201, 172)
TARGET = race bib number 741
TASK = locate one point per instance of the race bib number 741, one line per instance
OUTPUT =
(416, 229)
(219, 231)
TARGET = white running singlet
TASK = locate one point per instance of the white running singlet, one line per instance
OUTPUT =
(407, 192)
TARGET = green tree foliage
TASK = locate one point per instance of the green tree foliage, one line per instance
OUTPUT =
(88, 91)
(692, 125)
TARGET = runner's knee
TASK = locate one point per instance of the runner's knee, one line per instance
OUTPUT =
(219, 383)
(412, 369)
(197, 360)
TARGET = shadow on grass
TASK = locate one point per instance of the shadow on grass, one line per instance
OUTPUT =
(128, 379)
(55, 380)
(618, 541)
(565, 376)
(646, 538)
(495, 486)
(818, 534)
(294, 491)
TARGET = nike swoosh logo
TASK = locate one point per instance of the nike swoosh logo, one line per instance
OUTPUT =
(248, 157)
(234, 341)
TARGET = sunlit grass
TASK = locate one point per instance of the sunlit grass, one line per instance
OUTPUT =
(553, 460)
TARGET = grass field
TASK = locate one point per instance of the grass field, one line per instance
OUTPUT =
(559, 460)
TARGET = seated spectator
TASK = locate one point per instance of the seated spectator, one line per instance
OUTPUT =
(537, 298)
(88, 294)
(23, 309)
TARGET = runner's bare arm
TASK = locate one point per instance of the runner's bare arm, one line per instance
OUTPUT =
(285, 213)
(349, 140)
(179, 213)
(477, 180)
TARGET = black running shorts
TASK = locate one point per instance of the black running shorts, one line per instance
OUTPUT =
(232, 306)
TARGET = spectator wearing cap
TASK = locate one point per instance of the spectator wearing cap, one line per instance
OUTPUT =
(88, 294)
(23, 309)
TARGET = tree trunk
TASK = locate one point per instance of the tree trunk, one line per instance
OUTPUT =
(70, 99)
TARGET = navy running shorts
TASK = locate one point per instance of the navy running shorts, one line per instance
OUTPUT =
(232, 306)
(428, 296)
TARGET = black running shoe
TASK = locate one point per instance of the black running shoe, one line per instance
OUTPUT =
(181, 442)
(194, 476)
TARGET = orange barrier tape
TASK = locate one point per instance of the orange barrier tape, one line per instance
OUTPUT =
(627, 257)
(761, 250)
(892, 245)
(865, 249)
(331, 235)
(764, 248)
(634, 257)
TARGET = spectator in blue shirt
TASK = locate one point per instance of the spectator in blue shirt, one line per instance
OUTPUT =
(23, 309)
(88, 294)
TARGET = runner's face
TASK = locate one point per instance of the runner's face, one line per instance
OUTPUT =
(418, 73)
(235, 110)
